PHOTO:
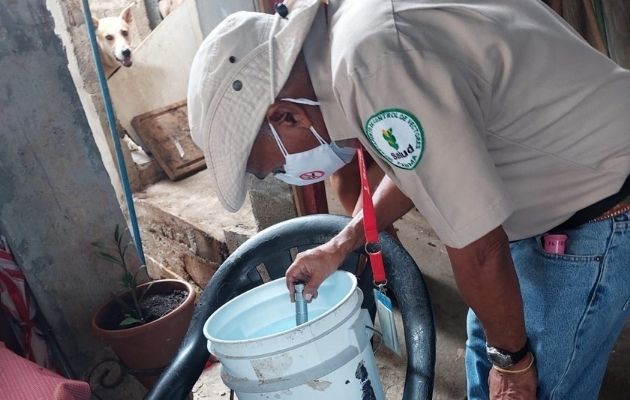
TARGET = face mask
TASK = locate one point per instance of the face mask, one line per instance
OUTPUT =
(310, 166)
(345, 153)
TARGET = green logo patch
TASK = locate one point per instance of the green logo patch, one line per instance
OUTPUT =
(397, 135)
(390, 138)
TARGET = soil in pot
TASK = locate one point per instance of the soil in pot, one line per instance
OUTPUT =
(153, 306)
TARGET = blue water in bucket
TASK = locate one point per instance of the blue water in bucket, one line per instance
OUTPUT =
(267, 310)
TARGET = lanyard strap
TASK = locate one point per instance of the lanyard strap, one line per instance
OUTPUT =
(372, 244)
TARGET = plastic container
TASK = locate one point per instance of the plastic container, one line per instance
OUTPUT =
(554, 243)
(264, 355)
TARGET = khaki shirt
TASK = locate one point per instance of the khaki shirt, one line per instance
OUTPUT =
(483, 112)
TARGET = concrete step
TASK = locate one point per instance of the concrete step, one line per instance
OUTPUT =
(185, 231)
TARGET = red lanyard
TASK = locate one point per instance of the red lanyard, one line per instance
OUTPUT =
(372, 244)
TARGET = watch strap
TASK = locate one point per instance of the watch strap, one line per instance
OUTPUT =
(514, 357)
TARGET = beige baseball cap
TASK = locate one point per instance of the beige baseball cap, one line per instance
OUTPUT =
(234, 78)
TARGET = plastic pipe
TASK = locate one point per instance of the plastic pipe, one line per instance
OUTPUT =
(111, 120)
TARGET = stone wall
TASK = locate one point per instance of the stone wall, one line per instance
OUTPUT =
(56, 196)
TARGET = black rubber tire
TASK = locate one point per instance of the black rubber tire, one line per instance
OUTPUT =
(272, 247)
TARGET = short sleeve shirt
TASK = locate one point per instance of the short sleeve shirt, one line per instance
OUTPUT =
(484, 113)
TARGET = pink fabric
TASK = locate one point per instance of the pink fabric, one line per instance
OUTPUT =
(16, 300)
(21, 379)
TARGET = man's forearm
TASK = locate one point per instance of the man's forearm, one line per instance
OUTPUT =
(389, 203)
(486, 278)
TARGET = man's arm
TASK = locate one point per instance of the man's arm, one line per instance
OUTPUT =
(389, 205)
(315, 265)
(485, 275)
(483, 270)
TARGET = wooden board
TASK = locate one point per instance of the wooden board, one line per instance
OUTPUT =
(166, 133)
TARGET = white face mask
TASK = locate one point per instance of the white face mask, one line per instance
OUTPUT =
(310, 166)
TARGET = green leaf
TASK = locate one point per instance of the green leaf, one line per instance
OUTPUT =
(129, 321)
(108, 257)
(117, 235)
(128, 280)
(101, 245)
(145, 291)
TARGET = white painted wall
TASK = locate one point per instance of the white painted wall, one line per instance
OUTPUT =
(159, 74)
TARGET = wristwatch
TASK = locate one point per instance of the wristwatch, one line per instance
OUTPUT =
(503, 358)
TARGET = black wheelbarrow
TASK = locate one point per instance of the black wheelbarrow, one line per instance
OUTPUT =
(266, 256)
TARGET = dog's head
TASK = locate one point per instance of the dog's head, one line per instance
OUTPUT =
(113, 36)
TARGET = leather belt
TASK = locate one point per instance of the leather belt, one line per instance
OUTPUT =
(620, 208)
(601, 210)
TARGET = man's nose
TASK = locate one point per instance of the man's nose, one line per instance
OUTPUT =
(126, 53)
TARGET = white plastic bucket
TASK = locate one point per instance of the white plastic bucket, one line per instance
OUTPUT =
(265, 356)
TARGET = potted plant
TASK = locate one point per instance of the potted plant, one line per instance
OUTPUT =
(144, 324)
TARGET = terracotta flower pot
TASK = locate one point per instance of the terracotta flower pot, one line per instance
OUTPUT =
(147, 349)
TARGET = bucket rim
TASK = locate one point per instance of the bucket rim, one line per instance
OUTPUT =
(343, 300)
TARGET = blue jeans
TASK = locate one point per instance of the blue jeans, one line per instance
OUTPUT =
(575, 306)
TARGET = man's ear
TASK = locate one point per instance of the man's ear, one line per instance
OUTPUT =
(283, 113)
(95, 22)
(126, 14)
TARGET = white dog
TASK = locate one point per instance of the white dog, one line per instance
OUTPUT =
(112, 35)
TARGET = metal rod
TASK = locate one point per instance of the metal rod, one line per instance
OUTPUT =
(301, 307)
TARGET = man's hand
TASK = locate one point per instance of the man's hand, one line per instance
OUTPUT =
(312, 267)
(517, 383)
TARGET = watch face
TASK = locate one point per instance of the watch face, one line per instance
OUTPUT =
(498, 358)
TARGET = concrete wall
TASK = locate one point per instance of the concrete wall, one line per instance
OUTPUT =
(55, 194)
(71, 29)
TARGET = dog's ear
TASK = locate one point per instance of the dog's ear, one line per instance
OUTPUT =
(126, 14)
(95, 22)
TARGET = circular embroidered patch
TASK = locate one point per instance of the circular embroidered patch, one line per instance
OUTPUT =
(397, 135)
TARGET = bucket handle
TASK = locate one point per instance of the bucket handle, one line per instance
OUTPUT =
(379, 334)
(367, 320)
